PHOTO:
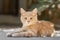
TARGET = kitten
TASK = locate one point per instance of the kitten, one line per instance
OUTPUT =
(33, 27)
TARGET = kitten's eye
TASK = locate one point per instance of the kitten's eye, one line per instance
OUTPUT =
(25, 18)
(30, 18)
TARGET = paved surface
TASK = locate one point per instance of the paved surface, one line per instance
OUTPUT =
(4, 37)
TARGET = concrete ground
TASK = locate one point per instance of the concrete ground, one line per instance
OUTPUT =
(5, 30)
(4, 37)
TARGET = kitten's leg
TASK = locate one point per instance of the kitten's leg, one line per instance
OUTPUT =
(22, 29)
(53, 34)
(17, 30)
(23, 34)
(16, 34)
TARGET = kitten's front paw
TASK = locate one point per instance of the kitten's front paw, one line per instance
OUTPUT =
(13, 35)
(9, 35)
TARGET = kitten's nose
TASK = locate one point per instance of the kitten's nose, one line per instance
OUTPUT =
(28, 21)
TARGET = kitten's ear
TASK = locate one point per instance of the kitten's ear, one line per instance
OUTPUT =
(35, 11)
(22, 11)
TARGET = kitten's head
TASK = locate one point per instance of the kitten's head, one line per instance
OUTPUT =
(28, 17)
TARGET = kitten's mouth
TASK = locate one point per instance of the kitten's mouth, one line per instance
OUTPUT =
(28, 21)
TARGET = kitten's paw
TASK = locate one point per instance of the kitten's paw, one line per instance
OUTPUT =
(14, 35)
(9, 35)
(22, 34)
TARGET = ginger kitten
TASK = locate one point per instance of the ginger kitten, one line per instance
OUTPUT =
(33, 27)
